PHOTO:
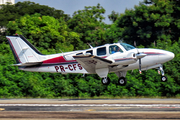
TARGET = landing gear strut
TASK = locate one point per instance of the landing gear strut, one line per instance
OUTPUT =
(105, 81)
(163, 78)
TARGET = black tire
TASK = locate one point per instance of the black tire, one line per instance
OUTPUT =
(163, 78)
(105, 81)
(122, 81)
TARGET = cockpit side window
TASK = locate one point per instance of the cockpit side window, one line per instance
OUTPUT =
(101, 51)
(79, 54)
(114, 49)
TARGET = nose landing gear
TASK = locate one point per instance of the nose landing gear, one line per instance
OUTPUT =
(163, 78)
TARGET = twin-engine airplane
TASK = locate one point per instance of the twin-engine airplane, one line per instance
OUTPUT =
(101, 60)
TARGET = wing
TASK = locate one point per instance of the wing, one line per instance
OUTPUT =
(91, 63)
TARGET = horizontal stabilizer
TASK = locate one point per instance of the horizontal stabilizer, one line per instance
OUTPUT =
(28, 64)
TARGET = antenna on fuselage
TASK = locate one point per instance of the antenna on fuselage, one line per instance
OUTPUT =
(135, 44)
(121, 41)
(90, 46)
(61, 51)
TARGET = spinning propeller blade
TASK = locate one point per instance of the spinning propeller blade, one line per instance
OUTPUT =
(139, 56)
(140, 65)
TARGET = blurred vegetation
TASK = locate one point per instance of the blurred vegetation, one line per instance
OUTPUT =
(153, 23)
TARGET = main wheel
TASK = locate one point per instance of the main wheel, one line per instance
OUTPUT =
(163, 78)
(122, 81)
(105, 81)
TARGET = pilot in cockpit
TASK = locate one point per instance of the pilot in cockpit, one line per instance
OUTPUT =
(115, 49)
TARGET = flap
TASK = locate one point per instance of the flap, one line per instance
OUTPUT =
(91, 63)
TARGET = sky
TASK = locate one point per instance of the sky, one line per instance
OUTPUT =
(70, 6)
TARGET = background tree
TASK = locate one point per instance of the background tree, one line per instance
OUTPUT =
(88, 23)
(44, 32)
(146, 23)
(113, 16)
(11, 12)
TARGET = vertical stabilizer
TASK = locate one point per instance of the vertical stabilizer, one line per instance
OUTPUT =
(24, 52)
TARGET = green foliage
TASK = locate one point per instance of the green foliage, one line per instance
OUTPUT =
(44, 32)
(11, 12)
(113, 16)
(147, 23)
(88, 23)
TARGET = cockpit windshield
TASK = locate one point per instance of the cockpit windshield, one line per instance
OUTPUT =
(127, 46)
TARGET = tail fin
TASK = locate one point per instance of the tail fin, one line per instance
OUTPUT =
(24, 52)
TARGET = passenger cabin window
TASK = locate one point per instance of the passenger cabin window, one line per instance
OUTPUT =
(101, 51)
(114, 49)
(90, 51)
(79, 54)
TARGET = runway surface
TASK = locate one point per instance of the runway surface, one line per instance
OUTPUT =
(90, 109)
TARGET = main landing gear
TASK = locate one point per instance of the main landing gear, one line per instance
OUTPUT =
(105, 81)
(121, 81)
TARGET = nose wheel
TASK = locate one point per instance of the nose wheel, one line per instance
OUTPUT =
(163, 78)
(122, 81)
(105, 81)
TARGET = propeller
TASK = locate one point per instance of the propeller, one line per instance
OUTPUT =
(140, 65)
(139, 56)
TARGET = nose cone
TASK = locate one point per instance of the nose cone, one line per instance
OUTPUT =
(170, 55)
(165, 56)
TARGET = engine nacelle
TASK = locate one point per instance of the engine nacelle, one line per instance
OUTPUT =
(124, 58)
